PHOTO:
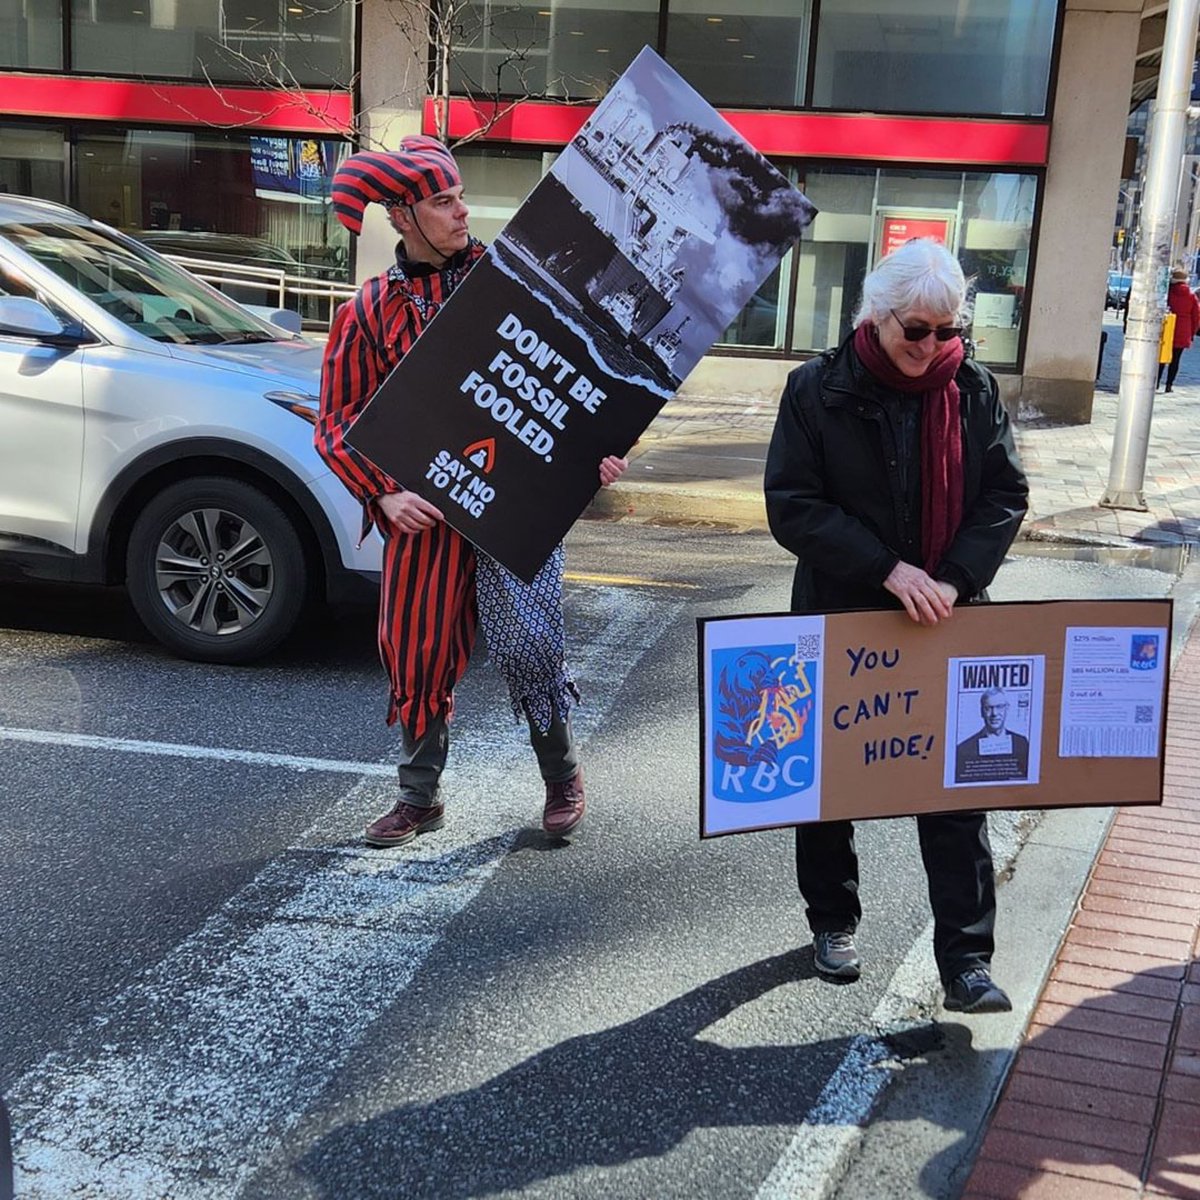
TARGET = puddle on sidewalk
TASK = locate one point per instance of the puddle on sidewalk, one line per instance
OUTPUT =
(1169, 558)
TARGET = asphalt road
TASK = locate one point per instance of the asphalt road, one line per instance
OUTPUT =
(212, 988)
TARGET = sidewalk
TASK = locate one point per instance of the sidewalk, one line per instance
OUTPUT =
(1103, 1099)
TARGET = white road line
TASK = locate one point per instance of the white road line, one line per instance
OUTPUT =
(818, 1155)
(258, 758)
(190, 1079)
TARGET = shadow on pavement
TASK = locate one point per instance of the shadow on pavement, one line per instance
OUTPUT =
(326, 633)
(598, 1100)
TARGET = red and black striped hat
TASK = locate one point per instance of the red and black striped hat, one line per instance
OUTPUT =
(421, 168)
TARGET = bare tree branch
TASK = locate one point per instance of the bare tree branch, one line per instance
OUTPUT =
(444, 36)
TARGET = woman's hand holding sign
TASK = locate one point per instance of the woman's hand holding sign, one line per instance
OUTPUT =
(409, 512)
(925, 599)
(611, 469)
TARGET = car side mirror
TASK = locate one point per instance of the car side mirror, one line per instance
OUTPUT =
(25, 318)
(285, 318)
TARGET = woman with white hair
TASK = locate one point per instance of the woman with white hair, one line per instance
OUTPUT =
(893, 478)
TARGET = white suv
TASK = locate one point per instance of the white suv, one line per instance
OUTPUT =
(154, 432)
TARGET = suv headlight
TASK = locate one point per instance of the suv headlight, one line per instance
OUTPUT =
(300, 403)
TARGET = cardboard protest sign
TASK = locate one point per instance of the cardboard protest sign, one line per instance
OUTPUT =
(626, 262)
(866, 714)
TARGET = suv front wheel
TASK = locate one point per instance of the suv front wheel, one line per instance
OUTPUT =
(216, 570)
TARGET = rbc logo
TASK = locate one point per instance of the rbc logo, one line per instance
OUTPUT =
(1143, 651)
(763, 737)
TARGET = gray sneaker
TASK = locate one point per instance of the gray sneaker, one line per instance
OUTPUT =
(834, 955)
(974, 992)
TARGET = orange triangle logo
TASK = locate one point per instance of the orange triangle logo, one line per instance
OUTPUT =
(481, 455)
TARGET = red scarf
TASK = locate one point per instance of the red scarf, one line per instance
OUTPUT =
(941, 436)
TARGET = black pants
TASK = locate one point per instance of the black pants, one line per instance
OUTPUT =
(1172, 367)
(422, 760)
(958, 866)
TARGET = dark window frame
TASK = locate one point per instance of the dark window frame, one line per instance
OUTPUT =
(68, 70)
(808, 106)
(1060, 13)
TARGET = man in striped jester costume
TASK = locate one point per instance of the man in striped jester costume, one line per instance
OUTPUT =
(436, 587)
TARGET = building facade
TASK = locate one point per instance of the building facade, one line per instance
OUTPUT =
(997, 126)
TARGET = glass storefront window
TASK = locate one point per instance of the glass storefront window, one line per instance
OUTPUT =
(31, 34)
(296, 42)
(220, 198)
(560, 48)
(994, 251)
(496, 181)
(33, 162)
(748, 54)
(985, 218)
(761, 323)
(942, 56)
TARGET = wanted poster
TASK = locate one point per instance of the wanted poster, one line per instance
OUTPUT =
(993, 720)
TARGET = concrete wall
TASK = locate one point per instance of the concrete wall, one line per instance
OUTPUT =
(1091, 109)
(392, 92)
(716, 375)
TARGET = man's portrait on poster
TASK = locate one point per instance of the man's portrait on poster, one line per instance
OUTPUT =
(994, 754)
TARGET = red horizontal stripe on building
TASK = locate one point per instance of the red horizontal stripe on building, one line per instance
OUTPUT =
(942, 140)
(135, 102)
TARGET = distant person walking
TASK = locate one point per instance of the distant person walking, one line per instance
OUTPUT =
(1181, 300)
(893, 478)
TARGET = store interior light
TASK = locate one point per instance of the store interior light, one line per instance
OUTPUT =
(715, 20)
(577, 33)
(603, 50)
(748, 56)
(733, 39)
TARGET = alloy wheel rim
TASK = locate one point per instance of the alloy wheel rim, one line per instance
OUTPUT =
(214, 572)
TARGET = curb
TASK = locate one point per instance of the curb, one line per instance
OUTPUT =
(738, 508)
(651, 501)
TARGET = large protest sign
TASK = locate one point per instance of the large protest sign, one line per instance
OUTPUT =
(866, 714)
(626, 262)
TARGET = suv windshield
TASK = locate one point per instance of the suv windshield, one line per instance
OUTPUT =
(147, 293)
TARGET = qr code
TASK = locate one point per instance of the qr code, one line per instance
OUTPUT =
(808, 647)
(1143, 714)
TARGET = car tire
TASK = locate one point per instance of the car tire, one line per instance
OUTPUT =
(216, 570)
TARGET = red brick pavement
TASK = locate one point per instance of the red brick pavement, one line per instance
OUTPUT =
(1103, 1100)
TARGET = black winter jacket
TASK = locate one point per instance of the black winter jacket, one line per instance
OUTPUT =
(835, 486)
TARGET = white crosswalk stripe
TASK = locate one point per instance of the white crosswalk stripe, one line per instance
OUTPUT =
(184, 1085)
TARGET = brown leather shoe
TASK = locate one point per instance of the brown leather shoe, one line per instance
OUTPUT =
(564, 806)
(403, 824)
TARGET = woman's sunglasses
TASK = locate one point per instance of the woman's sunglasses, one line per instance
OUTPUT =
(918, 333)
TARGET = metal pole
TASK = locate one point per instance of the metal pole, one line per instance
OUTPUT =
(1151, 270)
